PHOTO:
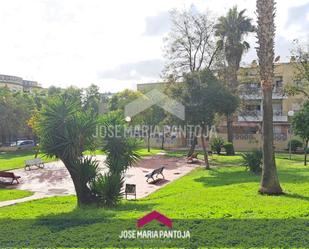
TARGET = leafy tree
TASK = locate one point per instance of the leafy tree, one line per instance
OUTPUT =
(119, 100)
(73, 94)
(294, 144)
(300, 125)
(54, 91)
(265, 51)
(190, 45)
(300, 55)
(151, 117)
(16, 109)
(65, 131)
(231, 30)
(203, 96)
(92, 98)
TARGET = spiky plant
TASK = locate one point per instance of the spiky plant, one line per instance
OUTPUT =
(121, 154)
(65, 131)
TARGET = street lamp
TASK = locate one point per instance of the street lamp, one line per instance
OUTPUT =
(128, 119)
(290, 115)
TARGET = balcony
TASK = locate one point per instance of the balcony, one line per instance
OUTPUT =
(255, 93)
(256, 116)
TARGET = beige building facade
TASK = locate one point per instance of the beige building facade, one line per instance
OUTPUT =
(248, 120)
(17, 84)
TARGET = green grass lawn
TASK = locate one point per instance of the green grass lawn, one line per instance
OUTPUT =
(12, 194)
(220, 208)
(15, 160)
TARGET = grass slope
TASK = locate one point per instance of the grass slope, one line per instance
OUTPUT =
(220, 208)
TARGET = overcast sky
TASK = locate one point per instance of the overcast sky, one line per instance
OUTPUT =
(112, 43)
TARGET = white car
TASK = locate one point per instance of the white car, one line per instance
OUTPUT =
(24, 144)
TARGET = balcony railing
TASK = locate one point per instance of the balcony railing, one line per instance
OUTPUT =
(256, 93)
(256, 116)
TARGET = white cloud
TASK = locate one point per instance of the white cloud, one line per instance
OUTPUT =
(72, 42)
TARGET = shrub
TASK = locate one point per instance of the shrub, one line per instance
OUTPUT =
(229, 148)
(253, 161)
(295, 144)
(108, 189)
(120, 155)
(217, 144)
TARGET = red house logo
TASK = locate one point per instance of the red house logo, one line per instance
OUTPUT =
(154, 215)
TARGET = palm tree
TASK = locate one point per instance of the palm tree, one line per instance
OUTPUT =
(231, 30)
(265, 51)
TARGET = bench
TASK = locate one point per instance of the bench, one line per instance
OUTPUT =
(11, 175)
(158, 171)
(37, 162)
(130, 189)
(192, 158)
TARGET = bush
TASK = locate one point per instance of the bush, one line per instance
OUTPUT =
(295, 144)
(229, 148)
(217, 144)
(253, 161)
(108, 189)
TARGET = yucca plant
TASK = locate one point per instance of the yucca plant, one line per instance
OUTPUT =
(121, 154)
(108, 189)
(65, 131)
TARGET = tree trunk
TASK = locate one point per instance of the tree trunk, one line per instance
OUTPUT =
(83, 193)
(269, 182)
(265, 51)
(163, 139)
(148, 139)
(306, 152)
(193, 144)
(233, 85)
(204, 148)
(230, 130)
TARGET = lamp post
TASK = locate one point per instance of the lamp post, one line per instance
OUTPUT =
(128, 119)
(290, 115)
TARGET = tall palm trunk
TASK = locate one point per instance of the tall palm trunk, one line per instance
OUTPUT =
(266, 33)
(233, 83)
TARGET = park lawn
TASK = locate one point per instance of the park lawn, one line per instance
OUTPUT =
(220, 208)
(12, 194)
(16, 159)
(144, 152)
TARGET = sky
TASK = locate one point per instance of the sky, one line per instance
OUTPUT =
(114, 44)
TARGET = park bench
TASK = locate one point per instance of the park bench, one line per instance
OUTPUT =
(158, 171)
(4, 174)
(130, 189)
(37, 162)
(192, 158)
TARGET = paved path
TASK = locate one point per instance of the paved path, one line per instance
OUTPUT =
(54, 179)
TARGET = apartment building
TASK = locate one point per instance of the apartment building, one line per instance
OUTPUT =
(248, 120)
(16, 84)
